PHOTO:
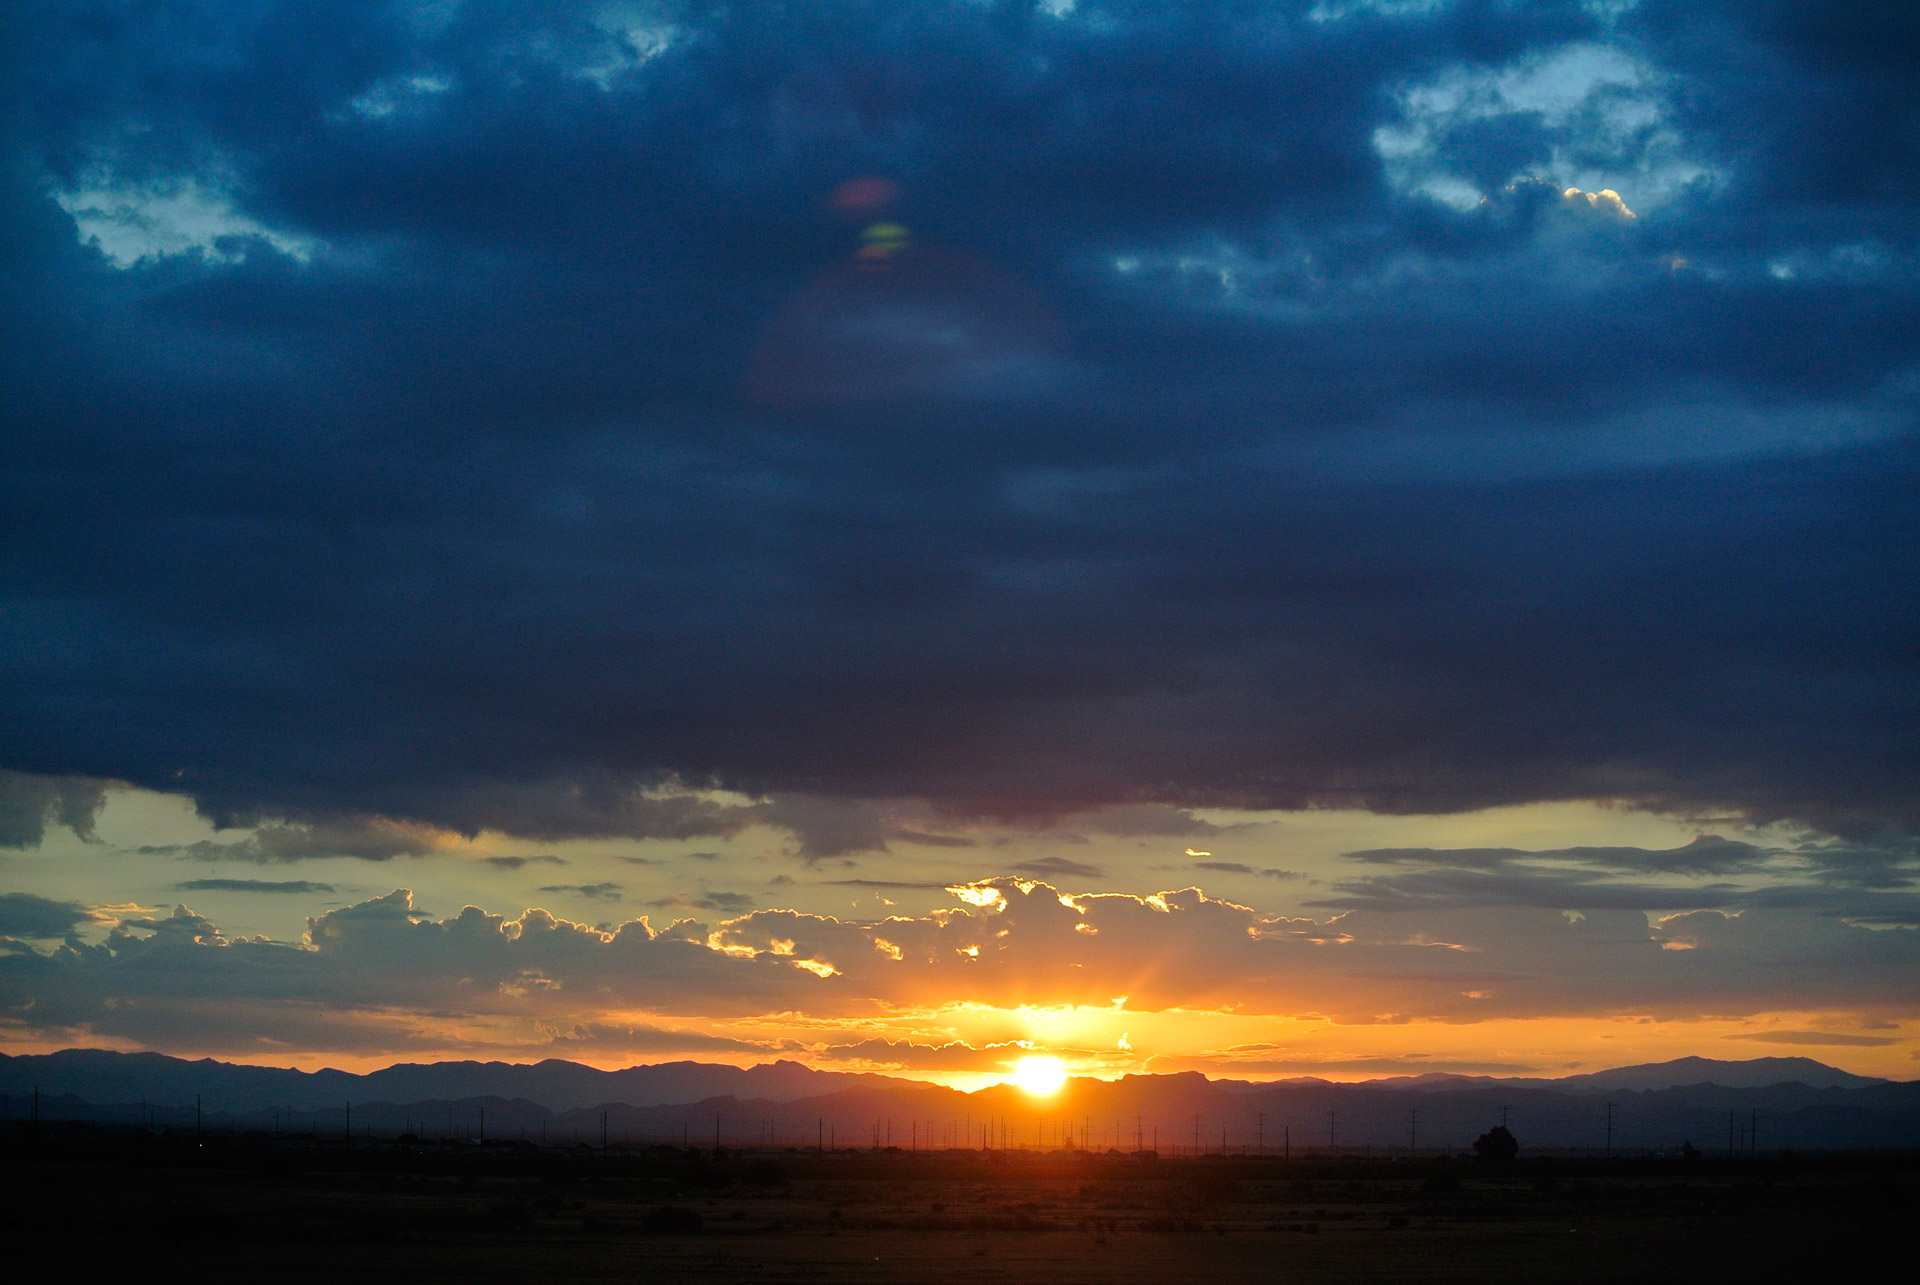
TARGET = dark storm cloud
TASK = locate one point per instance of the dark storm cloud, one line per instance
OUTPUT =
(1863, 883)
(378, 447)
(1708, 854)
(25, 915)
(29, 803)
(1615, 879)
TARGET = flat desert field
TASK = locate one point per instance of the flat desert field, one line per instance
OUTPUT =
(308, 1210)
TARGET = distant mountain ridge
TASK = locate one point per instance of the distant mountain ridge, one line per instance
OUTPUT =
(103, 1076)
(1751, 1073)
(786, 1105)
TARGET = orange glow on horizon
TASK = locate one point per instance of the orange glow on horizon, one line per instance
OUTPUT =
(1086, 1042)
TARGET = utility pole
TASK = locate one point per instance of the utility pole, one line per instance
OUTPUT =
(1333, 1122)
(1287, 1143)
(1413, 1130)
(1503, 1116)
(819, 1133)
(196, 1110)
(1260, 1134)
(1732, 1115)
(1196, 1137)
(1753, 1133)
(1609, 1130)
(483, 1122)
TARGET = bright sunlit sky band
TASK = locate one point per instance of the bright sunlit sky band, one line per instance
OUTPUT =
(1262, 538)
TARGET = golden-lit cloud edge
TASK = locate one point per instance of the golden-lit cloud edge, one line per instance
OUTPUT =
(1111, 982)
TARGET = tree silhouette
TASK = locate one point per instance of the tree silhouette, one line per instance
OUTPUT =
(1496, 1146)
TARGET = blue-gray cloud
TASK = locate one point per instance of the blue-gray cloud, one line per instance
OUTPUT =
(1860, 883)
(23, 914)
(517, 862)
(604, 891)
(29, 803)
(253, 885)
(481, 416)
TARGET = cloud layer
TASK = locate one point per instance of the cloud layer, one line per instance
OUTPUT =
(383, 977)
(483, 416)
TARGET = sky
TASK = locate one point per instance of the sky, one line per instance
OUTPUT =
(1339, 537)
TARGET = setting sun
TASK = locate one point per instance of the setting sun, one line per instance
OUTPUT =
(1040, 1076)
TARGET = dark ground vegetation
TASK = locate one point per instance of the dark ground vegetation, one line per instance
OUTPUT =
(309, 1208)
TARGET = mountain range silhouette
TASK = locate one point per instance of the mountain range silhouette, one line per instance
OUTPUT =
(1762, 1103)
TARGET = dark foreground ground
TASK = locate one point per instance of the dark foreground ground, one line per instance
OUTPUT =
(313, 1210)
